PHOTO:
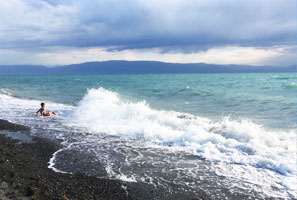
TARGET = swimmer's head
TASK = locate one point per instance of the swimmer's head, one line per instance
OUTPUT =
(42, 104)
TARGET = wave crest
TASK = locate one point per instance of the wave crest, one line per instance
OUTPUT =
(234, 141)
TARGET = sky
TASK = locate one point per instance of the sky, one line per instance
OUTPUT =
(60, 32)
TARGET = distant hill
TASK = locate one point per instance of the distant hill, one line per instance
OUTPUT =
(139, 67)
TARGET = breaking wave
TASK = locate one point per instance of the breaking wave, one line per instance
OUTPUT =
(231, 141)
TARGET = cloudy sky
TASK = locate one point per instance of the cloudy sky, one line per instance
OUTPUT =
(55, 32)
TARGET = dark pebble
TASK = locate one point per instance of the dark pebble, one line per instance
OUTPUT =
(29, 192)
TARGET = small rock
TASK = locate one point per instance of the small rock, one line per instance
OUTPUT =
(36, 178)
(11, 174)
(29, 192)
(9, 193)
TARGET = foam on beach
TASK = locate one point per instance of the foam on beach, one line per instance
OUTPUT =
(225, 140)
(246, 145)
(239, 142)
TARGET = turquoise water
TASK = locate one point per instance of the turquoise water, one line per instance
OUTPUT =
(269, 99)
(231, 134)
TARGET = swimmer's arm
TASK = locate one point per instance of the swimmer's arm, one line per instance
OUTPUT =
(38, 112)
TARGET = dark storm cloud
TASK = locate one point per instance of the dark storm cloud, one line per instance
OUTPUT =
(134, 24)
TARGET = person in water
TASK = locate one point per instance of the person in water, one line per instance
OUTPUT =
(43, 112)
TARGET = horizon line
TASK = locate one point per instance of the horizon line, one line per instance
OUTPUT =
(49, 66)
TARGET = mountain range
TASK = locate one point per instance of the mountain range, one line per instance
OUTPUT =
(139, 67)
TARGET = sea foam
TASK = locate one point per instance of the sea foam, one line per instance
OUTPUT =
(239, 142)
(232, 141)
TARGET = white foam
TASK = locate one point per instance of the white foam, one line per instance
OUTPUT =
(119, 175)
(6, 91)
(125, 178)
(227, 141)
(242, 142)
(13, 108)
(22, 110)
(52, 160)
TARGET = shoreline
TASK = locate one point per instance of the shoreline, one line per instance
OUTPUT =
(25, 174)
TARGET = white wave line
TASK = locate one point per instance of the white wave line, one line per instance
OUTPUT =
(52, 159)
(52, 163)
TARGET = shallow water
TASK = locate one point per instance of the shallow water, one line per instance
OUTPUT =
(21, 137)
(231, 135)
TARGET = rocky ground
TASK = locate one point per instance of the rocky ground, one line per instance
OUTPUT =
(24, 174)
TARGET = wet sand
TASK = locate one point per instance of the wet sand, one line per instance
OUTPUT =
(24, 174)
